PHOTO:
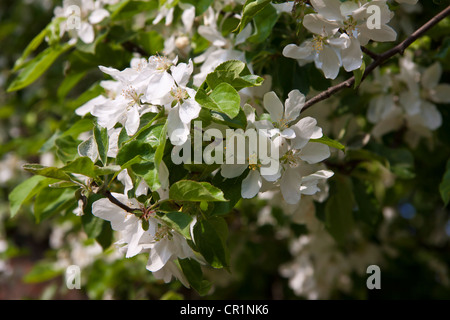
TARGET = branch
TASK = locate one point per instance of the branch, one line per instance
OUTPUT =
(111, 198)
(132, 47)
(371, 54)
(378, 59)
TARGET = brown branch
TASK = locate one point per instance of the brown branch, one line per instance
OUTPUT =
(111, 198)
(371, 54)
(380, 58)
(132, 47)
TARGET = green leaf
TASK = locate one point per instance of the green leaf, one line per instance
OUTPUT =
(369, 209)
(159, 153)
(125, 10)
(232, 192)
(151, 41)
(250, 10)
(193, 272)
(444, 186)
(200, 5)
(224, 98)
(149, 173)
(179, 221)
(42, 271)
(358, 73)
(51, 201)
(133, 149)
(92, 225)
(187, 190)
(329, 142)
(67, 148)
(33, 45)
(339, 208)
(235, 73)
(82, 165)
(210, 237)
(36, 67)
(264, 22)
(90, 47)
(69, 82)
(22, 193)
(238, 122)
(50, 172)
(102, 140)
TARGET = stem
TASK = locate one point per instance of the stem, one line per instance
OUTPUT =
(370, 53)
(378, 59)
(111, 198)
(132, 47)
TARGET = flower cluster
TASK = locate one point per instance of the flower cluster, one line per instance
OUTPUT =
(407, 99)
(340, 29)
(296, 153)
(80, 17)
(146, 234)
(145, 87)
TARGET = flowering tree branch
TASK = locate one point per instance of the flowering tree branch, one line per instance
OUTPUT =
(378, 59)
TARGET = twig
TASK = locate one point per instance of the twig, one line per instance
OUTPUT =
(380, 58)
(132, 47)
(371, 54)
(111, 198)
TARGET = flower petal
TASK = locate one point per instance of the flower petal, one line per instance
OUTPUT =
(431, 76)
(293, 105)
(251, 184)
(304, 129)
(290, 184)
(441, 93)
(314, 152)
(86, 33)
(273, 104)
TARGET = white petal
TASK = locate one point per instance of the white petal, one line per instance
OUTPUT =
(159, 86)
(288, 133)
(329, 9)
(294, 105)
(290, 185)
(189, 110)
(251, 184)
(384, 34)
(330, 62)
(86, 33)
(125, 178)
(177, 130)
(187, 16)
(303, 132)
(431, 116)
(319, 25)
(98, 15)
(132, 123)
(159, 255)
(352, 56)
(213, 35)
(410, 101)
(293, 51)
(273, 104)
(89, 106)
(182, 72)
(431, 76)
(441, 93)
(142, 188)
(232, 170)
(314, 152)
